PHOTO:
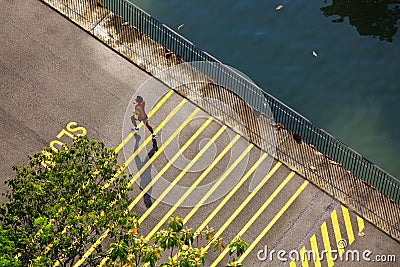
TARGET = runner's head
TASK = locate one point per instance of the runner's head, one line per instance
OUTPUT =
(139, 99)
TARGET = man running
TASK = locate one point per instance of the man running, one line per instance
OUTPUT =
(139, 114)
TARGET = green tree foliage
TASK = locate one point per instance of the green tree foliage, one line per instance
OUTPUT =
(237, 247)
(7, 250)
(60, 202)
(186, 248)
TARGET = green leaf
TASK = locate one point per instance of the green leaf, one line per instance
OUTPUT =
(237, 246)
(175, 224)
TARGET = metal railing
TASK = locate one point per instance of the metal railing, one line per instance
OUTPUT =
(342, 172)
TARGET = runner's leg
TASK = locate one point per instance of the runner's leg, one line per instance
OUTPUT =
(133, 121)
(149, 127)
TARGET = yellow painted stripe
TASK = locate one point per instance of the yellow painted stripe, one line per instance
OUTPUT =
(134, 178)
(336, 230)
(360, 222)
(149, 115)
(229, 196)
(327, 244)
(193, 186)
(292, 264)
(314, 247)
(303, 257)
(273, 221)
(347, 222)
(231, 192)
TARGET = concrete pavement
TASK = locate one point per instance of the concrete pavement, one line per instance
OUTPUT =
(53, 73)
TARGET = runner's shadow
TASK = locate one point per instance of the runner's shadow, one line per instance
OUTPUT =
(145, 177)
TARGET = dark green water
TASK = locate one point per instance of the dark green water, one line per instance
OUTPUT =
(351, 89)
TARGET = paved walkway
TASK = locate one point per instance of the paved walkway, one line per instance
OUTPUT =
(53, 73)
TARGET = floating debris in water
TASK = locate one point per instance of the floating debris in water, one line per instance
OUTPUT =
(314, 53)
(279, 7)
(180, 26)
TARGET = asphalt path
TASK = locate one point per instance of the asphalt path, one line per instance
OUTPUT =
(53, 74)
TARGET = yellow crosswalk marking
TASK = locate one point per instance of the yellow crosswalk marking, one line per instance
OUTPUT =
(338, 237)
(165, 168)
(347, 222)
(134, 178)
(195, 159)
(336, 230)
(148, 139)
(327, 244)
(273, 221)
